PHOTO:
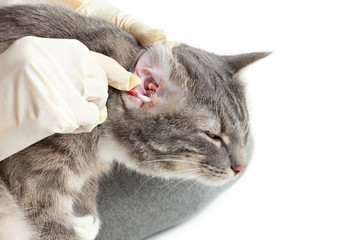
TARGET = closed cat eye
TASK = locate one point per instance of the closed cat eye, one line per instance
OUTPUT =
(213, 136)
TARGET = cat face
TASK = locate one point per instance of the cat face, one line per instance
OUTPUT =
(197, 123)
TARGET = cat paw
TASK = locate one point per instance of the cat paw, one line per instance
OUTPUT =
(86, 227)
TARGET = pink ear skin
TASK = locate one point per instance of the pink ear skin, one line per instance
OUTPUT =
(149, 86)
(148, 83)
(154, 73)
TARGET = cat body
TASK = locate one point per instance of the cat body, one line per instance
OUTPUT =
(197, 124)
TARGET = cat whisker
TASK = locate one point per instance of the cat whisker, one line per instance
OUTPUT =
(150, 178)
(169, 160)
(174, 179)
(173, 187)
(194, 182)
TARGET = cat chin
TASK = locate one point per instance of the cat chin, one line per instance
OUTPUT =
(206, 180)
(109, 151)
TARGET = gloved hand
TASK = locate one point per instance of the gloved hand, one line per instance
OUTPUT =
(144, 34)
(52, 86)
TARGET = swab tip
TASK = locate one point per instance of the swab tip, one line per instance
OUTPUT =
(143, 98)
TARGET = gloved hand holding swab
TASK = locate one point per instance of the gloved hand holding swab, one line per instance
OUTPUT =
(54, 86)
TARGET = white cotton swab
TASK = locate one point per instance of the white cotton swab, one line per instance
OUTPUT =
(143, 98)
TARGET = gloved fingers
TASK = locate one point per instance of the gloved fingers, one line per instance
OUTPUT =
(152, 36)
(48, 86)
(74, 111)
(79, 80)
(103, 115)
(144, 34)
(172, 44)
(85, 114)
(87, 118)
(94, 84)
(117, 76)
(82, 72)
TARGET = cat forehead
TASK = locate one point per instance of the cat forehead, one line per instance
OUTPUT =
(199, 63)
(217, 96)
(208, 76)
(206, 119)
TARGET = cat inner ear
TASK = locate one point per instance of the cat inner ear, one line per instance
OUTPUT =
(154, 69)
(238, 62)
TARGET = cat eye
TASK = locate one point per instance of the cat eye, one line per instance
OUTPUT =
(213, 136)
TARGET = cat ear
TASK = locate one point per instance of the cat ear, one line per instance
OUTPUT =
(154, 68)
(155, 65)
(238, 62)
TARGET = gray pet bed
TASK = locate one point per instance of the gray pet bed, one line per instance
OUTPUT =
(132, 207)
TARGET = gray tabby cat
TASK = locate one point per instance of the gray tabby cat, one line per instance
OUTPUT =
(195, 127)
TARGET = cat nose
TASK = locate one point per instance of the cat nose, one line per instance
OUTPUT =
(238, 169)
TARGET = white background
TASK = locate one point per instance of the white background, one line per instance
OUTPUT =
(304, 178)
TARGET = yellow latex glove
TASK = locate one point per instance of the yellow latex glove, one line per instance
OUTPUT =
(52, 86)
(144, 34)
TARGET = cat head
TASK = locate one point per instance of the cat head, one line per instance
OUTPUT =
(197, 123)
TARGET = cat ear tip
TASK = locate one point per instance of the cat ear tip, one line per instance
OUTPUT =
(240, 61)
(260, 55)
(267, 53)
